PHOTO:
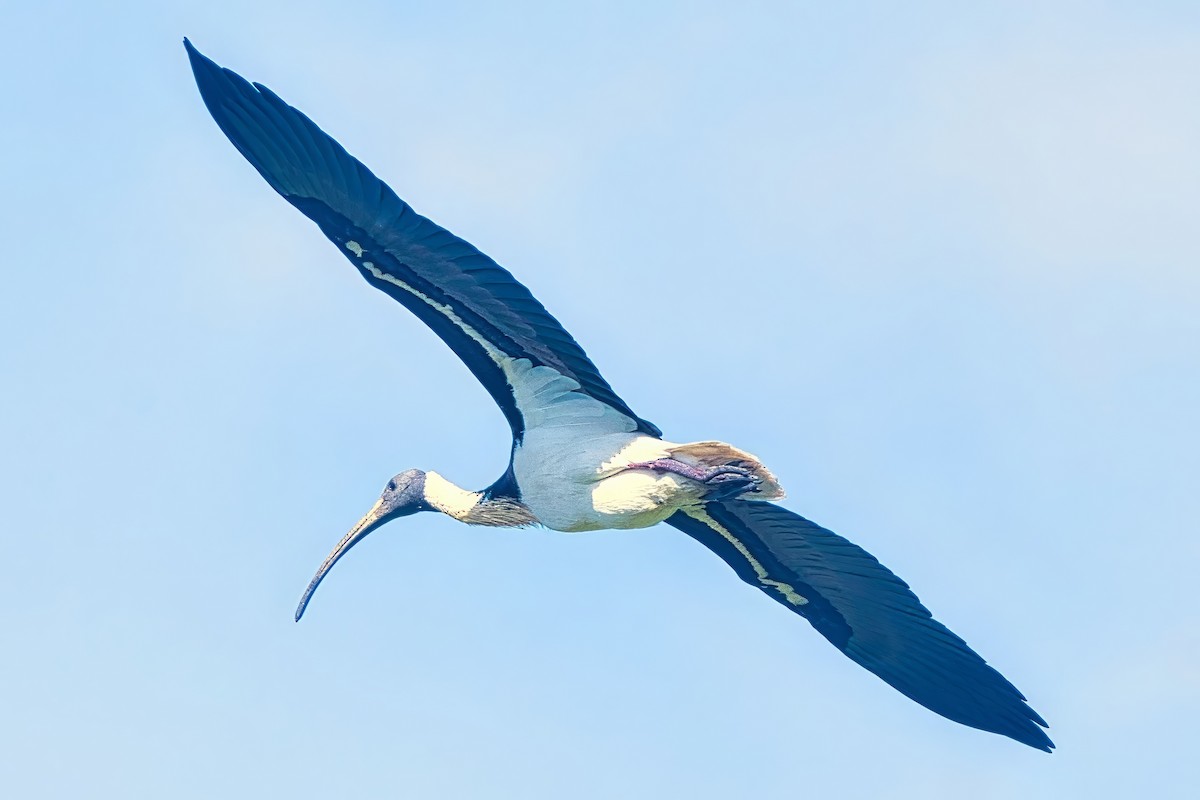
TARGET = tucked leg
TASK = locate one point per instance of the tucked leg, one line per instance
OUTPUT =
(726, 480)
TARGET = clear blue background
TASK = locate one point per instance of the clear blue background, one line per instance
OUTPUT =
(938, 266)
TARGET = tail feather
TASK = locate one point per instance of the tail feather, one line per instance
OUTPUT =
(720, 454)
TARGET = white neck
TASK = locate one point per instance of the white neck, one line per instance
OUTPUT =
(450, 499)
(472, 508)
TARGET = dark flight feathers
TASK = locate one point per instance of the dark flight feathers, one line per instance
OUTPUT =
(359, 212)
(868, 613)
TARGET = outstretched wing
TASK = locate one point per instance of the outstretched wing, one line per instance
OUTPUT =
(472, 303)
(865, 611)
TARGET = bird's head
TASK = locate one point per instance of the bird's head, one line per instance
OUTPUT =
(403, 495)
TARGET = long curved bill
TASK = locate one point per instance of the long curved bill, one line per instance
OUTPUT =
(373, 519)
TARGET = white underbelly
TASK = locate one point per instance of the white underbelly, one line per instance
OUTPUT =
(584, 485)
(571, 465)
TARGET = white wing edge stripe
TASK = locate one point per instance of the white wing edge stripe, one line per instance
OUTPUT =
(494, 352)
(516, 370)
(789, 593)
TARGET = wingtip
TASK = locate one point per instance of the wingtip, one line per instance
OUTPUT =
(1045, 746)
(1042, 741)
(1028, 731)
(202, 65)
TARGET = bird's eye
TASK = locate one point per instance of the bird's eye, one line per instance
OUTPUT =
(391, 486)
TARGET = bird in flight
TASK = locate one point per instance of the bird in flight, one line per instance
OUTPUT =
(581, 459)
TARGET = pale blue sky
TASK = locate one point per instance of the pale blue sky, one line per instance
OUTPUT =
(937, 266)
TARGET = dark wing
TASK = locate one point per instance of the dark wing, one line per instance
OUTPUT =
(472, 303)
(865, 611)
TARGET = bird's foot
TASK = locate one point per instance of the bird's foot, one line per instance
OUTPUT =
(728, 487)
(725, 481)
